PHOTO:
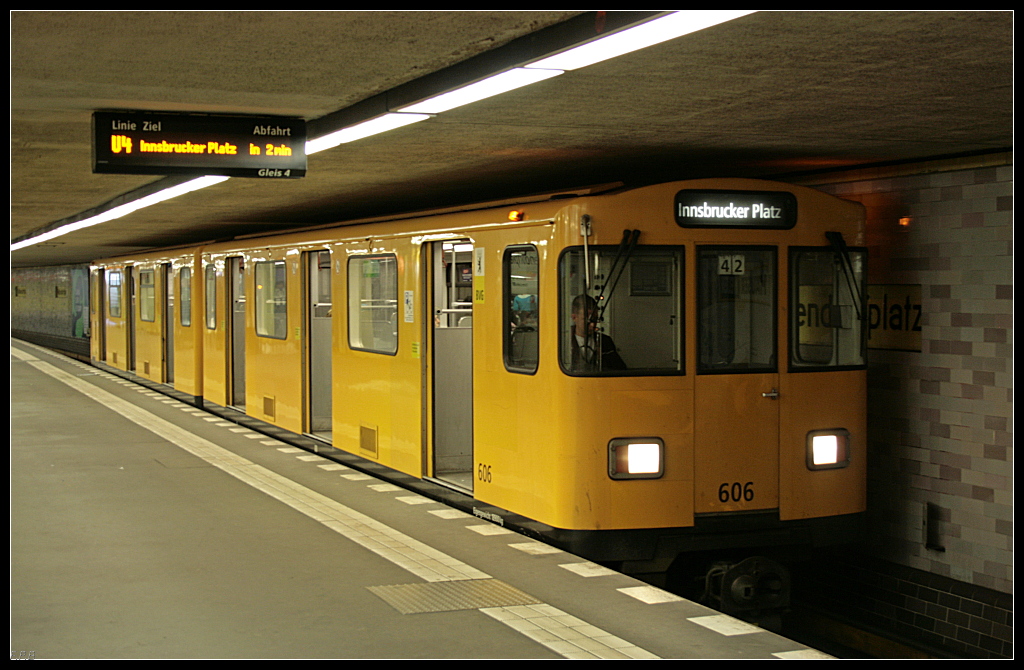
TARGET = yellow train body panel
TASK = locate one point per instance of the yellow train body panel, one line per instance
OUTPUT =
(188, 324)
(273, 341)
(214, 325)
(111, 325)
(378, 402)
(815, 405)
(150, 323)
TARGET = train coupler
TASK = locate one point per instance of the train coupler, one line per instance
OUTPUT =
(748, 590)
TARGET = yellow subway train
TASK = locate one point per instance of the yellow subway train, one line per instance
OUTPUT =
(632, 374)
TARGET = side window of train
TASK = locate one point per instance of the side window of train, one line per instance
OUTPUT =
(271, 300)
(373, 303)
(620, 311)
(827, 308)
(522, 309)
(114, 292)
(211, 296)
(736, 309)
(185, 289)
(147, 295)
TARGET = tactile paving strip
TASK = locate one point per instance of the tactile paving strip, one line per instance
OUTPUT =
(452, 596)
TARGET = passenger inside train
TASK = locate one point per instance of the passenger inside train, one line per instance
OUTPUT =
(592, 350)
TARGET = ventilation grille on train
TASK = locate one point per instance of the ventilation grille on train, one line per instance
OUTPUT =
(368, 440)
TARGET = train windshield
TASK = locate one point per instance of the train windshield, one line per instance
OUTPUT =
(736, 309)
(827, 329)
(625, 319)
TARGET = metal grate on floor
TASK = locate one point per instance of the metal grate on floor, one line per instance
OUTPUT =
(451, 596)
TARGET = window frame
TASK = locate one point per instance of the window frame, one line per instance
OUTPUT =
(147, 295)
(185, 293)
(793, 365)
(699, 331)
(210, 295)
(677, 292)
(355, 310)
(115, 288)
(507, 298)
(278, 327)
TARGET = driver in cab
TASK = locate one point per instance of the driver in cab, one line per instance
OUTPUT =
(592, 351)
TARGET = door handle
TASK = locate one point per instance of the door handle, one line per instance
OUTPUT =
(773, 394)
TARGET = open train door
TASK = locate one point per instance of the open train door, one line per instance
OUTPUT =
(450, 361)
(131, 276)
(319, 310)
(236, 331)
(736, 413)
(167, 279)
(98, 306)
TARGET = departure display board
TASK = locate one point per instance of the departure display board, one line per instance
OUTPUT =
(140, 142)
(735, 209)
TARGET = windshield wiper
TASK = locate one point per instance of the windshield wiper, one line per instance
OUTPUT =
(839, 246)
(629, 240)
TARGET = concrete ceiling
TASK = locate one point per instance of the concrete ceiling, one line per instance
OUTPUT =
(770, 94)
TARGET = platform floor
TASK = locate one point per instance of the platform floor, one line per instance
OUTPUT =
(143, 527)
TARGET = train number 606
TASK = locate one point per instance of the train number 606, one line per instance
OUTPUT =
(483, 472)
(736, 492)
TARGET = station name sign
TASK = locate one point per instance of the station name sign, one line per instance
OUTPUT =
(735, 209)
(139, 142)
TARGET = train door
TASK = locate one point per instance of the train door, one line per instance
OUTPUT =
(129, 317)
(236, 331)
(167, 278)
(736, 413)
(318, 344)
(99, 304)
(451, 361)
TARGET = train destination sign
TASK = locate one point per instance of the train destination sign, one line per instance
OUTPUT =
(139, 142)
(735, 209)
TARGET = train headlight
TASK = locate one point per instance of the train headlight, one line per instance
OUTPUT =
(827, 449)
(636, 458)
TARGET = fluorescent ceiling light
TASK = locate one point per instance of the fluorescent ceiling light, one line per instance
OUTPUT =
(380, 124)
(645, 35)
(632, 39)
(495, 85)
(123, 210)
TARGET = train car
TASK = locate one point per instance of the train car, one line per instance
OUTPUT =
(141, 315)
(268, 335)
(632, 374)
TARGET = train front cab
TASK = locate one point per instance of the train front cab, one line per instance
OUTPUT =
(743, 352)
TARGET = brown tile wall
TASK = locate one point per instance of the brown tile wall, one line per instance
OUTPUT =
(940, 420)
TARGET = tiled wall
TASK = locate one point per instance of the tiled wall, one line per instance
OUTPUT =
(51, 300)
(940, 420)
(936, 614)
